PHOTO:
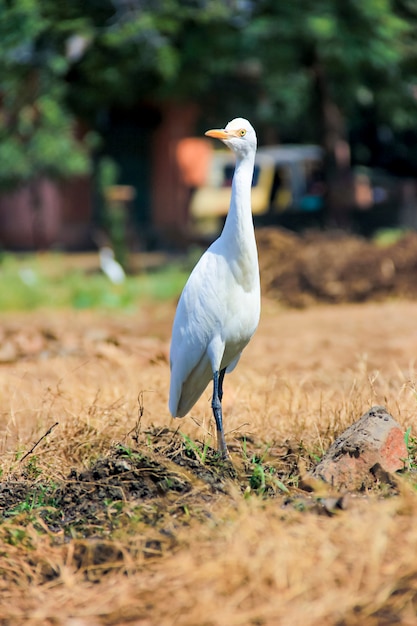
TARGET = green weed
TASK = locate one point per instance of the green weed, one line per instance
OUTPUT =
(32, 469)
(114, 507)
(388, 236)
(34, 281)
(193, 449)
(411, 444)
(41, 497)
(127, 452)
(263, 477)
(15, 536)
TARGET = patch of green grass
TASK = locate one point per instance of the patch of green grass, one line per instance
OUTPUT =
(42, 496)
(127, 452)
(388, 236)
(262, 477)
(32, 469)
(114, 508)
(16, 536)
(38, 281)
(193, 449)
(411, 444)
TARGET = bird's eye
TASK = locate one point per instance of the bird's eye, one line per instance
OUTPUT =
(242, 132)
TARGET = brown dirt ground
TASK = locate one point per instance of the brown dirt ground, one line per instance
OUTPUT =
(121, 515)
(335, 267)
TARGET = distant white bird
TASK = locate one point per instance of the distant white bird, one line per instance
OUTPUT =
(219, 308)
(112, 268)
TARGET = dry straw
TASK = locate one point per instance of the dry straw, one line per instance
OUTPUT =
(208, 556)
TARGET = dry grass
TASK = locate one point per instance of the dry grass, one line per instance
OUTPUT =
(203, 545)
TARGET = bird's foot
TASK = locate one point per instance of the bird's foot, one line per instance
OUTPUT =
(222, 450)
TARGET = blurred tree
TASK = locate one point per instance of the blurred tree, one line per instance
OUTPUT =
(65, 61)
(130, 50)
(336, 59)
(37, 131)
(37, 135)
(303, 70)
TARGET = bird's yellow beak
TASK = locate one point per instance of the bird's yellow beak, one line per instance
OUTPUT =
(217, 133)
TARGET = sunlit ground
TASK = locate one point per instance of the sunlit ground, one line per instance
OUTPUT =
(80, 545)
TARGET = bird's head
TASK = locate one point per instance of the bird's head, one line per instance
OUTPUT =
(239, 135)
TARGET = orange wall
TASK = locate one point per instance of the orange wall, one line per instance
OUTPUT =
(169, 194)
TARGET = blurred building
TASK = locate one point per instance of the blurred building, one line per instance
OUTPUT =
(143, 143)
(167, 170)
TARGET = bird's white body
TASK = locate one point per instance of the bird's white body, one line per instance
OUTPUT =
(219, 308)
(111, 268)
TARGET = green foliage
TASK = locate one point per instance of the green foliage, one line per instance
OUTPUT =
(32, 282)
(411, 443)
(16, 536)
(32, 469)
(126, 451)
(263, 59)
(352, 44)
(41, 497)
(262, 477)
(114, 218)
(193, 450)
(37, 135)
(385, 237)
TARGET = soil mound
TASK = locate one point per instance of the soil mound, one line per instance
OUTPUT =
(335, 267)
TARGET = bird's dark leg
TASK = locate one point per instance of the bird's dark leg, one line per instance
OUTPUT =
(216, 405)
(221, 378)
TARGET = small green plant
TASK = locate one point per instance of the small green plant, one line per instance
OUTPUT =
(149, 441)
(257, 480)
(281, 486)
(33, 471)
(315, 457)
(16, 536)
(127, 452)
(43, 496)
(300, 506)
(168, 482)
(387, 236)
(18, 454)
(263, 477)
(114, 507)
(32, 281)
(193, 449)
(411, 444)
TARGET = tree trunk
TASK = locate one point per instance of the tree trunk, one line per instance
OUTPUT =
(169, 194)
(337, 170)
(37, 217)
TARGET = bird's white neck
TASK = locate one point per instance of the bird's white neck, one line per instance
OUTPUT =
(238, 236)
(238, 227)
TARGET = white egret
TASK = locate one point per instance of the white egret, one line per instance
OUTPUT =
(111, 268)
(219, 308)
